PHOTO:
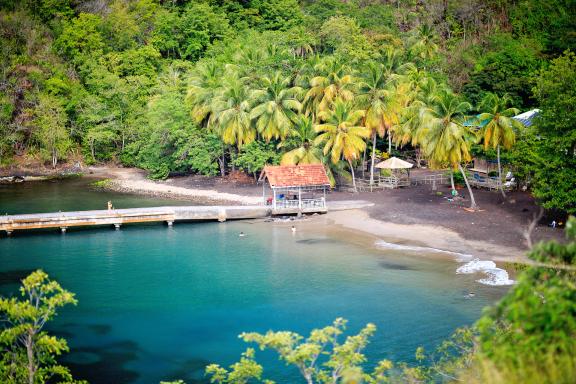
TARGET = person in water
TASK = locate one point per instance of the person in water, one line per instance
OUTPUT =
(110, 207)
(242, 234)
(293, 229)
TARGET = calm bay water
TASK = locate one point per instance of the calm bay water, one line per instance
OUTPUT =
(158, 303)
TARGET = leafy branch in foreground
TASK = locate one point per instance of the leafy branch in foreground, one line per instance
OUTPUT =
(28, 352)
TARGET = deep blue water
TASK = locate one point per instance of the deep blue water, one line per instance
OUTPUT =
(158, 303)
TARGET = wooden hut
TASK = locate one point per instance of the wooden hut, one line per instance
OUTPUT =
(295, 188)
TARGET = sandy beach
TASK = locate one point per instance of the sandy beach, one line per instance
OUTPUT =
(413, 217)
(133, 180)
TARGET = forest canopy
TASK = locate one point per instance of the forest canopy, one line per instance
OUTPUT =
(209, 86)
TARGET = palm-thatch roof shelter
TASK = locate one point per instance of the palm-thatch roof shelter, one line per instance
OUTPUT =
(295, 188)
(394, 163)
(395, 180)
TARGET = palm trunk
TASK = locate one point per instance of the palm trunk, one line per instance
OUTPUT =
(372, 159)
(500, 184)
(232, 158)
(223, 162)
(472, 200)
(452, 180)
(389, 143)
(364, 163)
(353, 178)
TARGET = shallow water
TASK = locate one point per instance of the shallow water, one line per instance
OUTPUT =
(158, 303)
(69, 195)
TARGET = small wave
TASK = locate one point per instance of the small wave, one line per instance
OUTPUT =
(494, 275)
(384, 244)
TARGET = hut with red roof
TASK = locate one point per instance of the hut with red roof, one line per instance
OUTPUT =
(295, 188)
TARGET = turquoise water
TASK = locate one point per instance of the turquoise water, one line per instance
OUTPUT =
(158, 303)
(68, 195)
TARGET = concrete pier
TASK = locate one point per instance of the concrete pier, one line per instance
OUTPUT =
(117, 217)
(170, 215)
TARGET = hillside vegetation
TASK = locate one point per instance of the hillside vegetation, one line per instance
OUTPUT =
(209, 86)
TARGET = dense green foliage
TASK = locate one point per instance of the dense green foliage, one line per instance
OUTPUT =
(28, 352)
(184, 86)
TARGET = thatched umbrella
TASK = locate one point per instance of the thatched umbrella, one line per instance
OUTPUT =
(394, 163)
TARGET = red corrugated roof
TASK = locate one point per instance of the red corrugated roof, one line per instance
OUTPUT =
(296, 175)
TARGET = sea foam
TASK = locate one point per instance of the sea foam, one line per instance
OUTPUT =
(459, 256)
(494, 275)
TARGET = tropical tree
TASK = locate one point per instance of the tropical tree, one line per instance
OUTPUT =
(422, 91)
(204, 86)
(343, 358)
(443, 137)
(382, 99)
(28, 352)
(276, 105)
(424, 42)
(497, 126)
(52, 135)
(231, 109)
(306, 151)
(334, 81)
(341, 133)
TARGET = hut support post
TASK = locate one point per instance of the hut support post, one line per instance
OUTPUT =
(300, 198)
(274, 199)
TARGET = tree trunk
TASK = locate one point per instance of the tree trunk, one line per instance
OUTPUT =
(452, 180)
(389, 143)
(372, 159)
(92, 150)
(30, 353)
(418, 158)
(223, 162)
(500, 184)
(232, 158)
(353, 178)
(472, 200)
(54, 158)
(364, 163)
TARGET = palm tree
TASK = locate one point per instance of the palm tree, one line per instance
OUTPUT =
(232, 112)
(341, 133)
(306, 152)
(443, 137)
(276, 105)
(497, 126)
(377, 96)
(422, 91)
(204, 85)
(424, 42)
(334, 82)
